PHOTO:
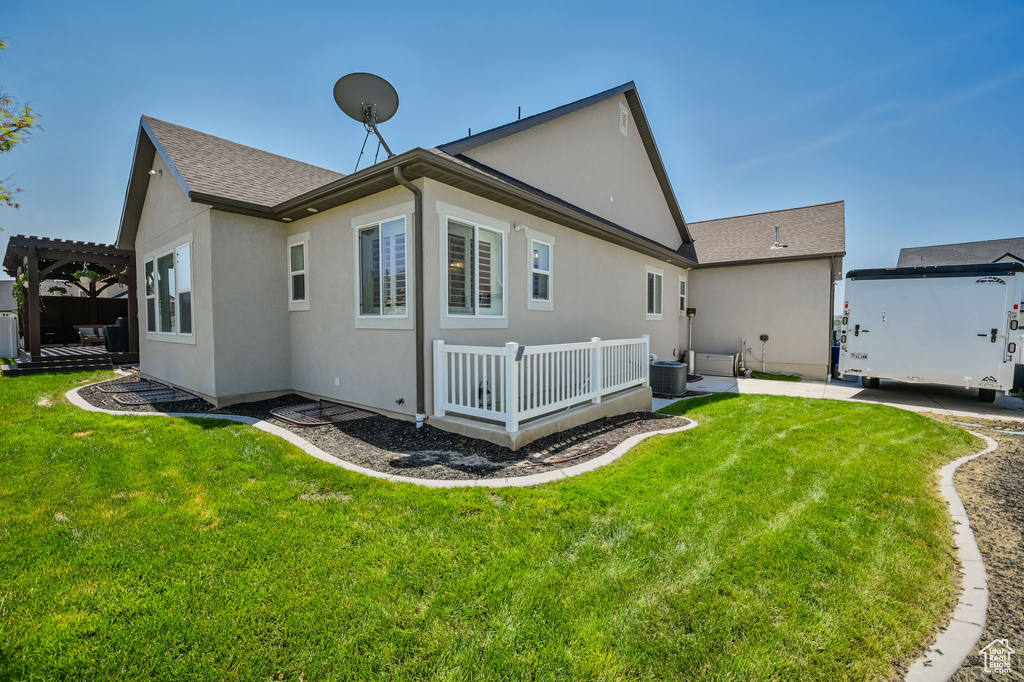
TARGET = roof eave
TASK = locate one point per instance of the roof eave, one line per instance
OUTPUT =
(775, 259)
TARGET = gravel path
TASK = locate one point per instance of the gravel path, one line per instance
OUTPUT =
(992, 490)
(397, 447)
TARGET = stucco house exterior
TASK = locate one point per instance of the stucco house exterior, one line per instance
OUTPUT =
(260, 275)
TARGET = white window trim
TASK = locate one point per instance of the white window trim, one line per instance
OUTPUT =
(549, 241)
(380, 321)
(450, 321)
(147, 296)
(178, 292)
(648, 270)
(682, 296)
(154, 255)
(303, 239)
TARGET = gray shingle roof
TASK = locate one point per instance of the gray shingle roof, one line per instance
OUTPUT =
(966, 253)
(808, 231)
(223, 169)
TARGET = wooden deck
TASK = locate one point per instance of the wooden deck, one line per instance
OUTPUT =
(68, 359)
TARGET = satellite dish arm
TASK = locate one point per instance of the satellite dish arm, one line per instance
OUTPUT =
(370, 121)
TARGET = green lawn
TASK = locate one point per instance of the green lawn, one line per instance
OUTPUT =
(782, 539)
(768, 376)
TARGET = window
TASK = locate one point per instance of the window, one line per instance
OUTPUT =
(165, 293)
(183, 268)
(168, 293)
(682, 297)
(382, 269)
(476, 270)
(654, 281)
(540, 270)
(150, 297)
(297, 272)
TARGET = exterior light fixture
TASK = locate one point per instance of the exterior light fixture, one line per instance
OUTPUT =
(311, 210)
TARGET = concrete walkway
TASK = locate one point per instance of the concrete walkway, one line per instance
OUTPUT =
(947, 400)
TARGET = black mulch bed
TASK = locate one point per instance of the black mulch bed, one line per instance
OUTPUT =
(397, 447)
(992, 490)
(95, 397)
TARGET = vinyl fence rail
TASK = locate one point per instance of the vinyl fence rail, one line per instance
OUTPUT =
(516, 383)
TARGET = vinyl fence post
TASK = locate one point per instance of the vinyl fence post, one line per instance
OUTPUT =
(440, 377)
(646, 359)
(596, 369)
(511, 387)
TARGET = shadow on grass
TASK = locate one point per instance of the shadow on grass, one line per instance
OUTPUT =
(684, 406)
(208, 423)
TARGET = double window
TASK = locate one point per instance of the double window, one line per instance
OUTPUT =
(475, 257)
(169, 292)
(383, 273)
(655, 279)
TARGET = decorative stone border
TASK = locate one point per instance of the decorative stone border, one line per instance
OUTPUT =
(310, 449)
(954, 644)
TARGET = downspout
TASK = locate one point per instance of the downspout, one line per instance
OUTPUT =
(417, 321)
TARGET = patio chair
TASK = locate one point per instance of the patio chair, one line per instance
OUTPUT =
(90, 335)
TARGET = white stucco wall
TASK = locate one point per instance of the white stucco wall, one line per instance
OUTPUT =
(584, 159)
(790, 302)
(168, 218)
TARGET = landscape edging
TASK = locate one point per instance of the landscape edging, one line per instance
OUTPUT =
(312, 450)
(955, 643)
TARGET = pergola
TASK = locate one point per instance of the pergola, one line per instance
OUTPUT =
(40, 258)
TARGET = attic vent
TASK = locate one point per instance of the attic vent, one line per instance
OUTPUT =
(623, 118)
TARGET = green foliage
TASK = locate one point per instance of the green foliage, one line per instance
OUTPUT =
(58, 291)
(782, 539)
(19, 289)
(17, 121)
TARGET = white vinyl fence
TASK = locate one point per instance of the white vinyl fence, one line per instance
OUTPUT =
(515, 383)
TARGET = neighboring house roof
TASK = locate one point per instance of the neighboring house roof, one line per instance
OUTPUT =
(965, 253)
(806, 232)
(7, 296)
(458, 147)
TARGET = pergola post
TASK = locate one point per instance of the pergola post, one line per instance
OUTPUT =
(33, 325)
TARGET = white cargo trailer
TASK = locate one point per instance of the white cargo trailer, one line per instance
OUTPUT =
(948, 325)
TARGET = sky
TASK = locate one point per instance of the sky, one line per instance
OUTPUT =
(911, 112)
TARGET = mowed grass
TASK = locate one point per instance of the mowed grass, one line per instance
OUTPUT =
(782, 539)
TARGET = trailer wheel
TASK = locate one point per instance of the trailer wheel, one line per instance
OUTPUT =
(869, 382)
(987, 395)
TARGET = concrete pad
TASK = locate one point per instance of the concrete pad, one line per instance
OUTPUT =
(956, 643)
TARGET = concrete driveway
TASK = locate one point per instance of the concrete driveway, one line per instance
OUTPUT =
(956, 402)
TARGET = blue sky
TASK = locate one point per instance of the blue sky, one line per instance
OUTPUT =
(911, 112)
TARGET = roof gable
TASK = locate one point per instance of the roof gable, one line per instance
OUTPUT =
(578, 153)
(804, 232)
(210, 168)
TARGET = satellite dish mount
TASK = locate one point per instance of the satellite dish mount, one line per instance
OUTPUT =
(368, 99)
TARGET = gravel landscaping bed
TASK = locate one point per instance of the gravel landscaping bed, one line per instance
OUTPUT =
(992, 490)
(397, 447)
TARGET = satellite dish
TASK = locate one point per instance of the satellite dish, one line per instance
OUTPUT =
(356, 93)
(368, 99)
